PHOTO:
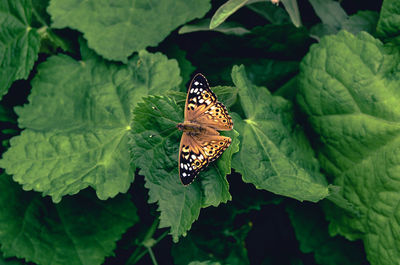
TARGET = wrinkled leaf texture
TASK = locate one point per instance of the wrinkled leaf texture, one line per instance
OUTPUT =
(19, 42)
(116, 29)
(79, 230)
(77, 123)
(349, 90)
(274, 153)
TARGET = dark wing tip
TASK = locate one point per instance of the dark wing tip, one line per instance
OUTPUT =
(199, 78)
(186, 181)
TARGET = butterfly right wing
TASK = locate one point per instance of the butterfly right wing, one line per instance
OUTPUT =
(203, 107)
(197, 151)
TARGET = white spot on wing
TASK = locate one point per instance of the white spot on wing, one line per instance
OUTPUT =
(184, 174)
(181, 165)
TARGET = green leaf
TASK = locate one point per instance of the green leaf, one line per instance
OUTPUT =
(117, 29)
(389, 20)
(272, 12)
(363, 20)
(185, 66)
(79, 230)
(204, 25)
(206, 262)
(77, 123)
(349, 90)
(19, 42)
(155, 148)
(274, 153)
(6, 115)
(225, 245)
(225, 10)
(293, 11)
(311, 230)
(226, 94)
(330, 12)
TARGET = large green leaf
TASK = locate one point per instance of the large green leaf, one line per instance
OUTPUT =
(274, 153)
(19, 42)
(117, 29)
(79, 230)
(155, 144)
(349, 90)
(77, 123)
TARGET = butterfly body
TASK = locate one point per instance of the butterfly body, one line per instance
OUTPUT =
(193, 129)
(201, 142)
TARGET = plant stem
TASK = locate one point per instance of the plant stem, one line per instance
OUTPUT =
(136, 257)
(153, 258)
(139, 252)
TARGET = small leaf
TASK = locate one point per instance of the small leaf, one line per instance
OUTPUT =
(274, 153)
(204, 25)
(293, 11)
(330, 12)
(79, 230)
(19, 42)
(6, 115)
(226, 94)
(225, 245)
(224, 11)
(363, 20)
(270, 11)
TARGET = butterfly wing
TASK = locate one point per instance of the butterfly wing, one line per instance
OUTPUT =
(191, 159)
(197, 151)
(203, 107)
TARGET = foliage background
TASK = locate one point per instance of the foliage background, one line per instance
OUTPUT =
(91, 91)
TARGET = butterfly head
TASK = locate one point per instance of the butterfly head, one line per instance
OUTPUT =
(180, 126)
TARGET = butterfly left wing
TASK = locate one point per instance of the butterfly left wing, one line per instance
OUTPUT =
(197, 151)
(203, 107)
(191, 159)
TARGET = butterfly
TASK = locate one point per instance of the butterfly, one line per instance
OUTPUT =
(201, 143)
